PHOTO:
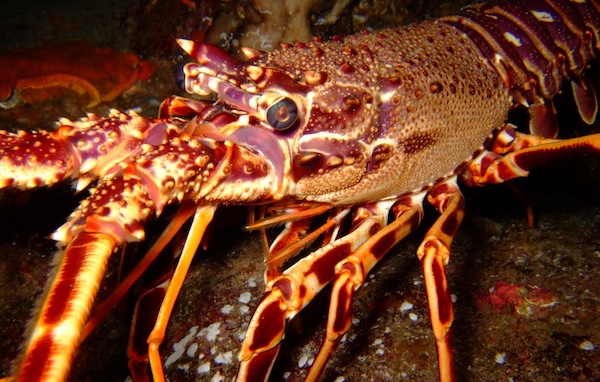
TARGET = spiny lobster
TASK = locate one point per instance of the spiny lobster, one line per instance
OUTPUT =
(356, 131)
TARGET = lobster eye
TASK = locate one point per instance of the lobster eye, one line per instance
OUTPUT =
(282, 114)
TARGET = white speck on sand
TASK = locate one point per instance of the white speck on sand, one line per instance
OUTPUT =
(406, 306)
(500, 358)
(224, 358)
(211, 332)
(179, 347)
(245, 297)
(191, 351)
(218, 377)
(204, 368)
(227, 309)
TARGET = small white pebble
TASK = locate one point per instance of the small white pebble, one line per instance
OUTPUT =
(173, 357)
(218, 377)
(586, 345)
(355, 321)
(244, 309)
(500, 358)
(252, 282)
(245, 297)
(380, 352)
(340, 379)
(179, 347)
(453, 297)
(191, 351)
(204, 368)
(287, 374)
(227, 309)
(377, 342)
(406, 306)
(303, 360)
(224, 358)
(413, 317)
(388, 330)
(212, 331)
(185, 367)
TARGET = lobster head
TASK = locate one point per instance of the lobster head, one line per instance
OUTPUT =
(307, 108)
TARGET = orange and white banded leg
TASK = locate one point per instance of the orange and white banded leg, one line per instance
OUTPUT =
(202, 218)
(289, 293)
(434, 254)
(522, 154)
(351, 273)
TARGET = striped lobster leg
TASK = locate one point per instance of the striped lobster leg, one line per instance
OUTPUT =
(434, 254)
(289, 293)
(515, 154)
(351, 272)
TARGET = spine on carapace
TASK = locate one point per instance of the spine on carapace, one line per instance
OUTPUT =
(533, 44)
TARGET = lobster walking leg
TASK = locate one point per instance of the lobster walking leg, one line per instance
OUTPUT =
(434, 254)
(351, 273)
(491, 168)
(289, 293)
(202, 217)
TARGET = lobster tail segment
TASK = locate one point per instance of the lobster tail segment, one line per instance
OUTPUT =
(533, 45)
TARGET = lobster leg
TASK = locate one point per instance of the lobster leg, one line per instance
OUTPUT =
(434, 254)
(290, 293)
(202, 218)
(104, 308)
(351, 273)
(524, 154)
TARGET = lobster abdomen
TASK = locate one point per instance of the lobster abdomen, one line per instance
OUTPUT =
(534, 45)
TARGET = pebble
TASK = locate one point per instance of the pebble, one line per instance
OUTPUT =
(500, 358)
(245, 297)
(406, 306)
(204, 368)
